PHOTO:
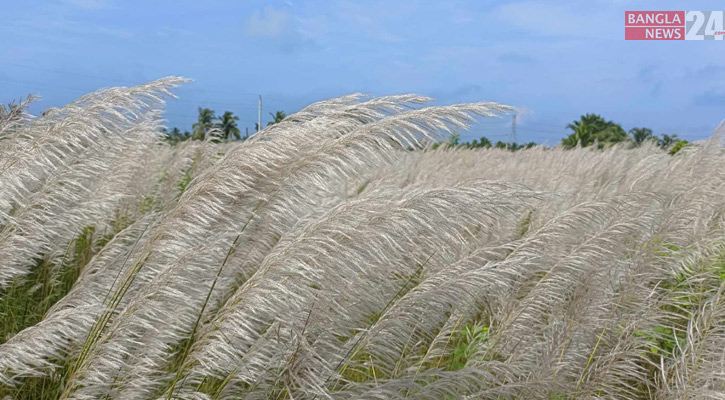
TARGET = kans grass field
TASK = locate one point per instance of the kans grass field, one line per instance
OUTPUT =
(337, 255)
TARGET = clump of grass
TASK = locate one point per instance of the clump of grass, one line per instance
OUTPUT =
(46, 387)
(26, 300)
(466, 342)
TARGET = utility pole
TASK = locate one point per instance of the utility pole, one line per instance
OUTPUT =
(259, 116)
(513, 129)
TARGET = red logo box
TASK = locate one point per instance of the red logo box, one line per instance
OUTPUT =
(654, 18)
(654, 25)
(654, 33)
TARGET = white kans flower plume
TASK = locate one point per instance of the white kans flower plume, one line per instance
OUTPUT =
(337, 255)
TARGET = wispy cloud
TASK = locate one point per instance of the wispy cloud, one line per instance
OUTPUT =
(270, 22)
(284, 30)
(90, 4)
(371, 19)
(553, 19)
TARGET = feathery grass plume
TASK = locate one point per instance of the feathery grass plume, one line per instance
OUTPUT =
(13, 116)
(177, 280)
(197, 205)
(405, 332)
(370, 245)
(56, 161)
(46, 347)
(687, 346)
(335, 255)
(82, 194)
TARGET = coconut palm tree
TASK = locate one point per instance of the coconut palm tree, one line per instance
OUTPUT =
(639, 135)
(228, 125)
(592, 128)
(203, 124)
(667, 140)
(173, 136)
(277, 117)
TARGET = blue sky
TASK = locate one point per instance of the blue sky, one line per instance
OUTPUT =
(556, 60)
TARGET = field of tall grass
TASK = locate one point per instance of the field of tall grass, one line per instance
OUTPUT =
(336, 255)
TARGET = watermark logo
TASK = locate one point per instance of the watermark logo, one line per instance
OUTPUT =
(674, 25)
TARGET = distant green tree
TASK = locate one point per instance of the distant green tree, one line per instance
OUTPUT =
(228, 126)
(204, 122)
(591, 128)
(512, 146)
(672, 143)
(667, 140)
(453, 141)
(483, 143)
(640, 135)
(679, 145)
(175, 136)
(277, 117)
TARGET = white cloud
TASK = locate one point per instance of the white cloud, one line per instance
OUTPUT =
(271, 22)
(281, 29)
(374, 19)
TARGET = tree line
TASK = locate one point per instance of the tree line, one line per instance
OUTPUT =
(483, 143)
(592, 129)
(588, 130)
(225, 127)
